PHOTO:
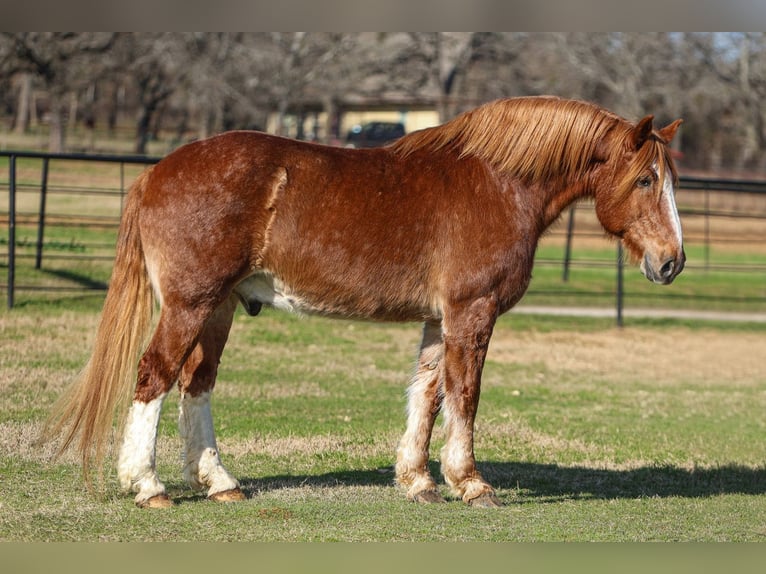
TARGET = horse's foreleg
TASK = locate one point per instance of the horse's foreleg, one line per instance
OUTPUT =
(202, 463)
(424, 402)
(158, 369)
(467, 331)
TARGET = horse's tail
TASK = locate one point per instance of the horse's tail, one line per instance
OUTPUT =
(85, 415)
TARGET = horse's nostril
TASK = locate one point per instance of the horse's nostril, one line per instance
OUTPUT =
(667, 268)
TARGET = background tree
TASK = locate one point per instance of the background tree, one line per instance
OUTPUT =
(197, 84)
(157, 63)
(64, 61)
(738, 63)
(441, 59)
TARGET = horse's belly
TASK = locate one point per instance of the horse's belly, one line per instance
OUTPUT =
(263, 288)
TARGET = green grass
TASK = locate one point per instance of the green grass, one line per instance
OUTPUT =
(582, 439)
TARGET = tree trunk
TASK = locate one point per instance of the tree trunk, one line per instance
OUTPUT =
(332, 124)
(143, 128)
(281, 116)
(73, 105)
(56, 126)
(113, 110)
(23, 115)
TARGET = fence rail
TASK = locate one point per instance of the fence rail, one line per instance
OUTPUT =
(14, 187)
(699, 207)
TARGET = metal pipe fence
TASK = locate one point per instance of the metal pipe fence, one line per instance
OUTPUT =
(42, 217)
(701, 201)
(736, 206)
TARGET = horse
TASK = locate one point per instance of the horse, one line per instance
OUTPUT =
(439, 227)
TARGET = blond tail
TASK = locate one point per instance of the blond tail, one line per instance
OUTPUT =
(84, 416)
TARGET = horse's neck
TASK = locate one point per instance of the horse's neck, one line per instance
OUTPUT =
(555, 199)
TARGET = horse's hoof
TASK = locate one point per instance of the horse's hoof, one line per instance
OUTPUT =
(232, 495)
(157, 501)
(486, 500)
(428, 497)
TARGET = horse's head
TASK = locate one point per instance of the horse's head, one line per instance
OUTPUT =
(637, 202)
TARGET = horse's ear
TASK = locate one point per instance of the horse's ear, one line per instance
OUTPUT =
(668, 132)
(642, 131)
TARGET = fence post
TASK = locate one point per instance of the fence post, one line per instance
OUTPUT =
(568, 247)
(122, 187)
(620, 285)
(11, 227)
(41, 216)
(707, 229)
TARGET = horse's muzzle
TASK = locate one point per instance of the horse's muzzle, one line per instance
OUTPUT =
(666, 271)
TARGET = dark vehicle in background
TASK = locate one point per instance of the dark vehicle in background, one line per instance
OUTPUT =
(374, 134)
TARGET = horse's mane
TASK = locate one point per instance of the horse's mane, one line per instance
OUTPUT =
(533, 138)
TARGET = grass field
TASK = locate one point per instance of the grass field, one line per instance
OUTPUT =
(652, 432)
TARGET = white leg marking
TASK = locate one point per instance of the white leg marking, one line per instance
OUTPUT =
(423, 401)
(202, 465)
(136, 464)
(412, 454)
(455, 454)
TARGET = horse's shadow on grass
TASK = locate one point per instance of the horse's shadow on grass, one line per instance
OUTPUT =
(531, 482)
(80, 279)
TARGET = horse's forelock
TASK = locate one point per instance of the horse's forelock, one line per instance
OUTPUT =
(654, 153)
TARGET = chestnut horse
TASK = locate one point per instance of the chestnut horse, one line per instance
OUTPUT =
(440, 227)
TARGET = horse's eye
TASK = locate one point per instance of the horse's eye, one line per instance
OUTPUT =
(644, 181)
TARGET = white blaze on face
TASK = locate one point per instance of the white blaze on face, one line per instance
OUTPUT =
(669, 200)
(669, 196)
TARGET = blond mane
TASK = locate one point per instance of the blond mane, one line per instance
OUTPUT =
(533, 138)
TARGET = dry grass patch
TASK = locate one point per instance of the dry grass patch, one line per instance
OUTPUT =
(672, 355)
(513, 432)
(20, 440)
(311, 446)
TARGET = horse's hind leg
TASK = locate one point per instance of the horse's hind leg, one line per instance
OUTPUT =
(202, 464)
(173, 340)
(424, 402)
